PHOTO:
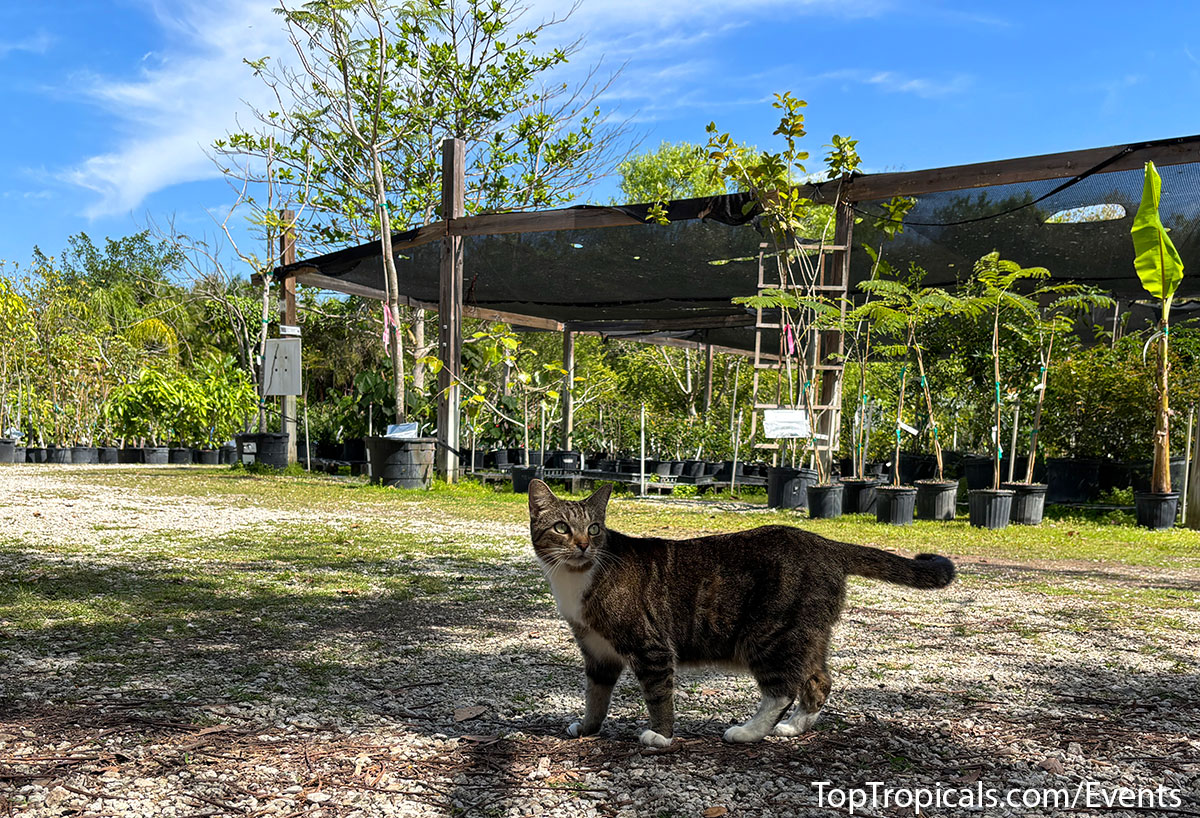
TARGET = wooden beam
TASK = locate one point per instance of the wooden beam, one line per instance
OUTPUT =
(662, 324)
(422, 235)
(494, 224)
(337, 285)
(450, 304)
(1025, 169)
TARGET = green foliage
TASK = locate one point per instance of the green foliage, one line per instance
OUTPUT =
(1156, 260)
(673, 171)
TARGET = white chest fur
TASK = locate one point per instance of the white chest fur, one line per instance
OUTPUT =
(568, 588)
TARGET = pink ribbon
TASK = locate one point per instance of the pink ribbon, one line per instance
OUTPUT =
(389, 321)
(791, 339)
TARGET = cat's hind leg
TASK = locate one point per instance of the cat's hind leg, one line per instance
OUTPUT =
(771, 709)
(811, 699)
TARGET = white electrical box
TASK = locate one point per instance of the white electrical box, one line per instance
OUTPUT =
(282, 367)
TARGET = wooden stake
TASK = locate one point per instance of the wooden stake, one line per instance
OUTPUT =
(450, 302)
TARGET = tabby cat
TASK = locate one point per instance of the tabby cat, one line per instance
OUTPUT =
(762, 601)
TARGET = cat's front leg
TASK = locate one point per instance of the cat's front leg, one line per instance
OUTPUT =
(601, 678)
(655, 670)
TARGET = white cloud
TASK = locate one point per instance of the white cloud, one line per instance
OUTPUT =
(38, 43)
(181, 98)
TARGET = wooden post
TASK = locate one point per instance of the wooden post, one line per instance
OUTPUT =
(287, 255)
(708, 376)
(1191, 518)
(450, 296)
(568, 402)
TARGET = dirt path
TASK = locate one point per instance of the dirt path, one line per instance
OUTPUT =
(252, 689)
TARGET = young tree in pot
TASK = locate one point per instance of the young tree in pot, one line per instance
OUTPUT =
(1058, 306)
(906, 308)
(1160, 268)
(996, 297)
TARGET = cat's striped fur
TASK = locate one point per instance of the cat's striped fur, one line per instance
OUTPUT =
(763, 601)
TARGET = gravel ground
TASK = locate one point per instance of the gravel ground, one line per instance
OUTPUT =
(455, 702)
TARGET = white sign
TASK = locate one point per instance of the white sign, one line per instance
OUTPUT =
(401, 431)
(781, 423)
(282, 367)
(289, 330)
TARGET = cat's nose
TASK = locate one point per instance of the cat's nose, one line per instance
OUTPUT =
(582, 546)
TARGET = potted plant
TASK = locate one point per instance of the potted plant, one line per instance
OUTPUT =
(1160, 269)
(1058, 304)
(907, 309)
(996, 297)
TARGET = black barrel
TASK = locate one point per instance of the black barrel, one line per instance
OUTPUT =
(403, 464)
(84, 454)
(8, 450)
(106, 454)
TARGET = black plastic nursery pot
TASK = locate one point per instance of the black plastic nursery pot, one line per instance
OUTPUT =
(1141, 473)
(269, 449)
(58, 454)
(227, 455)
(35, 454)
(522, 476)
(1029, 502)
(693, 468)
(825, 502)
(1072, 480)
(84, 455)
(859, 496)
(106, 454)
(179, 456)
(936, 500)
(18, 454)
(206, 457)
(1156, 510)
(726, 472)
(914, 467)
(895, 505)
(402, 463)
(130, 454)
(156, 455)
(990, 508)
(565, 460)
(787, 487)
(979, 471)
(8, 450)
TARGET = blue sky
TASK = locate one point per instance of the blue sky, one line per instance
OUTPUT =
(106, 107)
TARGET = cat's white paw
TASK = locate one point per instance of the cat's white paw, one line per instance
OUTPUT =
(575, 729)
(653, 739)
(797, 724)
(741, 735)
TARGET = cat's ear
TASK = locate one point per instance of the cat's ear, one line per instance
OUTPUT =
(541, 498)
(598, 502)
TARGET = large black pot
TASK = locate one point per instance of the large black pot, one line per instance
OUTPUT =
(979, 471)
(936, 501)
(787, 487)
(18, 454)
(58, 454)
(353, 450)
(84, 455)
(106, 454)
(712, 468)
(990, 508)
(1142, 474)
(1072, 480)
(35, 454)
(227, 454)
(271, 448)
(155, 455)
(206, 457)
(693, 468)
(404, 463)
(914, 467)
(179, 456)
(859, 496)
(522, 476)
(825, 502)
(1029, 502)
(8, 449)
(895, 504)
(726, 471)
(1156, 510)
(497, 458)
(130, 454)
(565, 460)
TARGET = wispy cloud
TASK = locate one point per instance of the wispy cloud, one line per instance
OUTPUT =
(183, 96)
(38, 43)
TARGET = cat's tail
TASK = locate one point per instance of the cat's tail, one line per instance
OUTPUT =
(922, 571)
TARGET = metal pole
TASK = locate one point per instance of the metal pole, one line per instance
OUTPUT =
(307, 442)
(737, 442)
(1187, 465)
(643, 450)
(1012, 451)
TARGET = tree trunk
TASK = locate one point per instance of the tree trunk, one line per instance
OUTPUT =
(419, 352)
(393, 287)
(937, 445)
(900, 415)
(1037, 412)
(996, 372)
(1162, 430)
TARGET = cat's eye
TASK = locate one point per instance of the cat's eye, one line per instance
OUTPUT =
(594, 529)
(561, 528)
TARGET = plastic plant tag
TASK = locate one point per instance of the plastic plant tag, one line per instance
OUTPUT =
(401, 431)
(786, 423)
(910, 429)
